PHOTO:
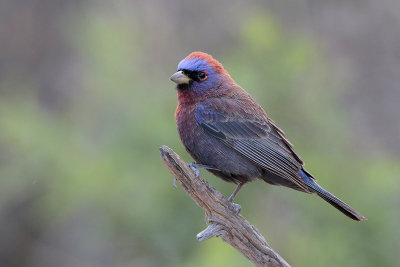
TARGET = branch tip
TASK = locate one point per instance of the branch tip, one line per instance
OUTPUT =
(231, 226)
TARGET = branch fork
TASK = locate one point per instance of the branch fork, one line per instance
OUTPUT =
(222, 215)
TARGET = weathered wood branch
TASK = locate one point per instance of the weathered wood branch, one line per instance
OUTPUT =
(223, 219)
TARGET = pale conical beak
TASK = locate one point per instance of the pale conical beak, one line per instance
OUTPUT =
(180, 78)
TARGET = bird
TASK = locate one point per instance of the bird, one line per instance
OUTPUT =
(228, 133)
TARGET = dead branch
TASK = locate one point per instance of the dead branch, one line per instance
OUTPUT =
(223, 219)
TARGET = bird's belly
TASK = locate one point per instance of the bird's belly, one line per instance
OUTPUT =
(210, 151)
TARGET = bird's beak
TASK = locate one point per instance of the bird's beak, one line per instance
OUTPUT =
(180, 78)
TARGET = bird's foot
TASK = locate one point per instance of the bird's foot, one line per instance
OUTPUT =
(193, 166)
(174, 182)
(237, 207)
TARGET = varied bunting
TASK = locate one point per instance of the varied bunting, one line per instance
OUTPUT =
(228, 133)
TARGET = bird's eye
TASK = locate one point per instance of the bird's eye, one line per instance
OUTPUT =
(202, 75)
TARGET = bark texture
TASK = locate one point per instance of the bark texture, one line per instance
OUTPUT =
(222, 216)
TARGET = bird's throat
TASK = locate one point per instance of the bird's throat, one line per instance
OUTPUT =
(184, 86)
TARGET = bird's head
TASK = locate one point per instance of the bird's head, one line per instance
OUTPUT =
(199, 73)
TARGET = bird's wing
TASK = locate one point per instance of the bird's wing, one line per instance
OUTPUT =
(244, 126)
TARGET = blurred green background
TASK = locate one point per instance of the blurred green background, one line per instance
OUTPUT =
(86, 101)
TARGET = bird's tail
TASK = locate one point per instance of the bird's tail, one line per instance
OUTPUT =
(331, 199)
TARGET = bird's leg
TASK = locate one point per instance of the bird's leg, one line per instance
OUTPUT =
(194, 167)
(239, 186)
(230, 199)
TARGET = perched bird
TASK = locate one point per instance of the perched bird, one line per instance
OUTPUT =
(229, 134)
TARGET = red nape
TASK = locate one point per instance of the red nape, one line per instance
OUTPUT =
(213, 62)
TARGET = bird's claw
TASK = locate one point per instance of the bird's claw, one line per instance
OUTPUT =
(237, 207)
(194, 169)
(174, 182)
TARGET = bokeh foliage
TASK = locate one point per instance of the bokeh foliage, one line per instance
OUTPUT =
(84, 184)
